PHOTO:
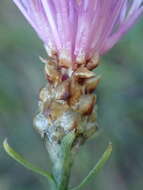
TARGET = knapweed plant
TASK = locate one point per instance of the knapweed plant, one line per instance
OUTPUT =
(75, 34)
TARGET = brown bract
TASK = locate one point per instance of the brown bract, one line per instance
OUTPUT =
(67, 102)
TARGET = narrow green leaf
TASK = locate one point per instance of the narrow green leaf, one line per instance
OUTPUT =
(106, 155)
(16, 156)
(67, 142)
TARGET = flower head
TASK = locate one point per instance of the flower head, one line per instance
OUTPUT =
(78, 29)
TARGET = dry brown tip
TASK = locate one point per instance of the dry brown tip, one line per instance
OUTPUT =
(75, 92)
(52, 73)
(85, 104)
(91, 84)
(94, 62)
(62, 90)
(83, 72)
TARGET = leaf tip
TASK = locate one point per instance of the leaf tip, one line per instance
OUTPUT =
(110, 146)
(5, 144)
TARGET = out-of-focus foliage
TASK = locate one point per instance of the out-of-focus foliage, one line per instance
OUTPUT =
(120, 108)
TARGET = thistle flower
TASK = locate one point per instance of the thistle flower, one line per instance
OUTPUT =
(75, 34)
(76, 30)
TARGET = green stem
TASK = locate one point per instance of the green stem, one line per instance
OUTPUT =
(62, 160)
(62, 172)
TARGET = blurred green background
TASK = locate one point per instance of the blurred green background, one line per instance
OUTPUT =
(120, 109)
